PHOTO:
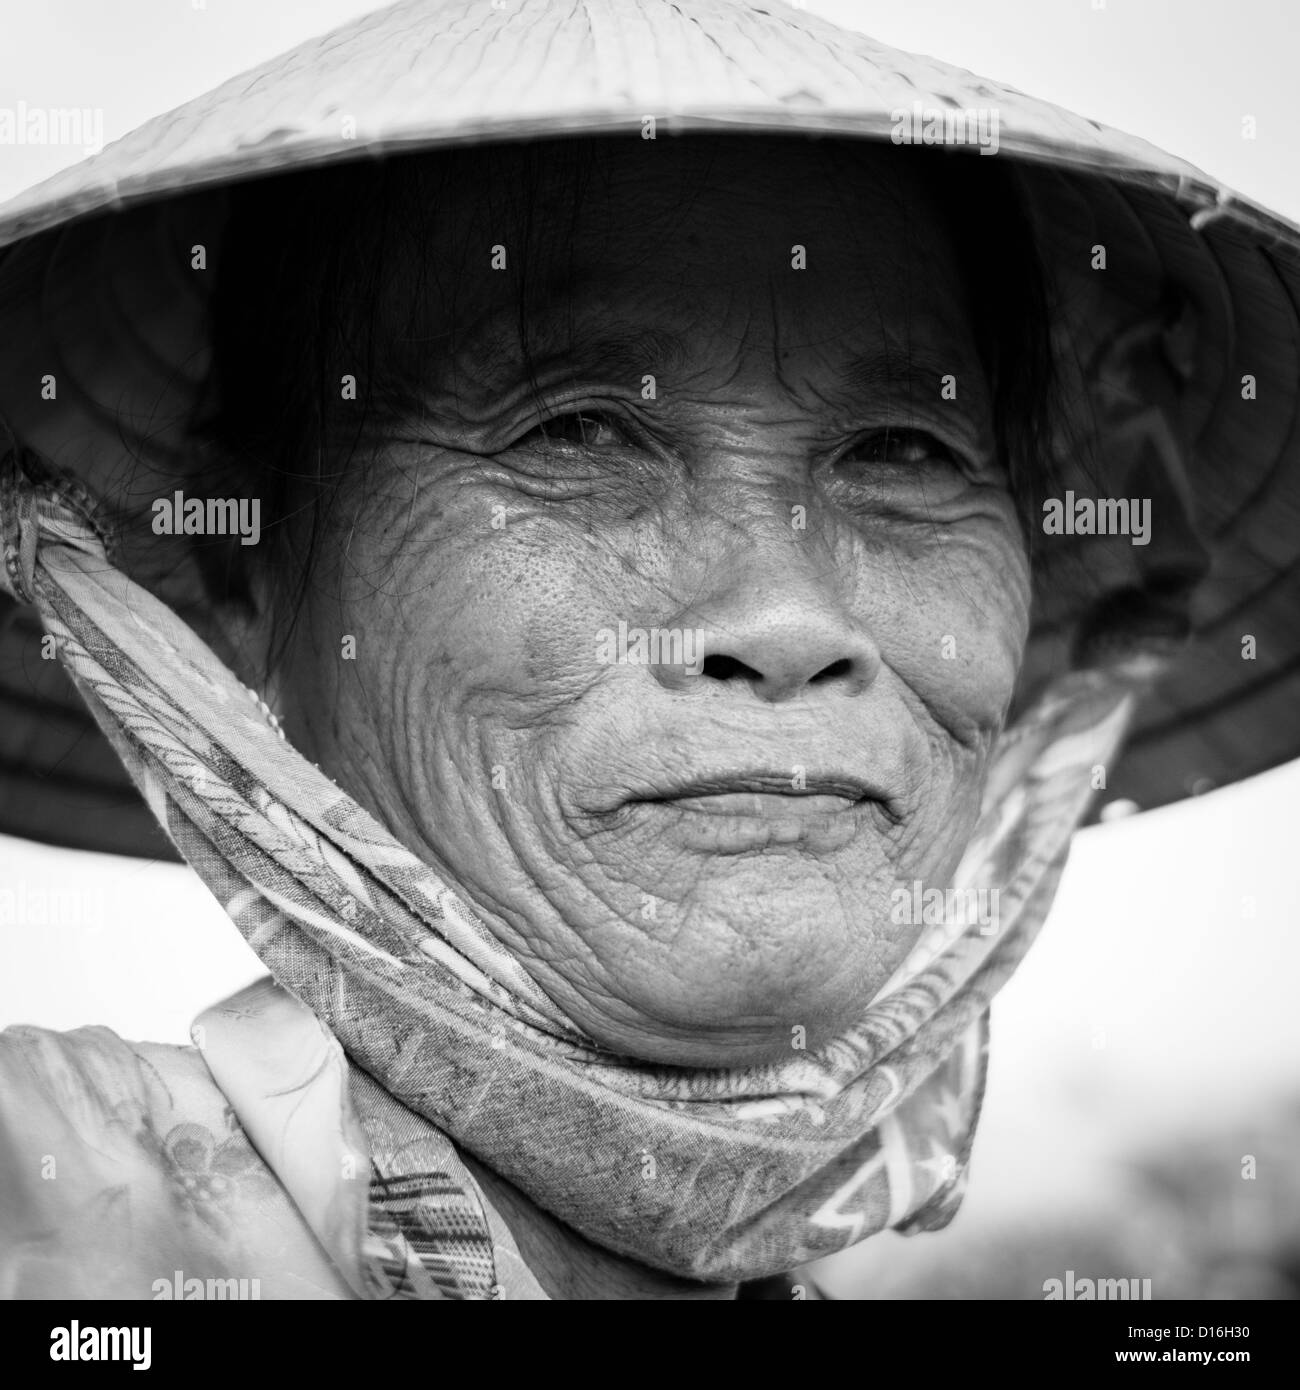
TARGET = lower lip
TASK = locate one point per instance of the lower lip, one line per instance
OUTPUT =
(741, 822)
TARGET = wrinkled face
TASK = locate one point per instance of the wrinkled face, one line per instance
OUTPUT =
(678, 658)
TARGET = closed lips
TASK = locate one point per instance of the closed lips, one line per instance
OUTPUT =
(767, 793)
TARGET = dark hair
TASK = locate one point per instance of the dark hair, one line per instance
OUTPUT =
(301, 273)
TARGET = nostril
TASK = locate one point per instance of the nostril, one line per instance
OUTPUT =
(842, 667)
(727, 668)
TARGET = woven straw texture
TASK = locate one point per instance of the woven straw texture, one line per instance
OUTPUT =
(119, 318)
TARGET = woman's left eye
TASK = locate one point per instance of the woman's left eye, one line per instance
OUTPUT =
(583, 428)
(901, 447)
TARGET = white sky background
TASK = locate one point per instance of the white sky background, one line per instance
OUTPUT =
(1162, 993)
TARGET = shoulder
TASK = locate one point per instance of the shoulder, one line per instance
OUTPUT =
(124, 1172)
(83, 1105)
(90, 1074)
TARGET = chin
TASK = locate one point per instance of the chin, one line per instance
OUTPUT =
(748, 992)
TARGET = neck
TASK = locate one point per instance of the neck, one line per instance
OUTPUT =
(567, 1265)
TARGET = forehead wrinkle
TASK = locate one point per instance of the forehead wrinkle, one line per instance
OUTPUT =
(616, 346)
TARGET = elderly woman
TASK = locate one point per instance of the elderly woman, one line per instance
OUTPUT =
(625, 605)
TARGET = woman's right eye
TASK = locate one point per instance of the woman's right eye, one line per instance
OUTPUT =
(583, 429)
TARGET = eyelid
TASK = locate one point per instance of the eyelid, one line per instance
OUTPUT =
(602, 412)
(965, 450)
(903, 432)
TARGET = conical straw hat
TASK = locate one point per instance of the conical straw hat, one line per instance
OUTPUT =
(430, 73)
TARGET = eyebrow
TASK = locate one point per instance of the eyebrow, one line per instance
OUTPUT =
(627, 348)
(873, 373)
(619, 347)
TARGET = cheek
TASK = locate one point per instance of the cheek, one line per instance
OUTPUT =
(483, 604)
(959, 618)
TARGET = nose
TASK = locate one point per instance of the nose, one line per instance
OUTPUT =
(780, 625)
